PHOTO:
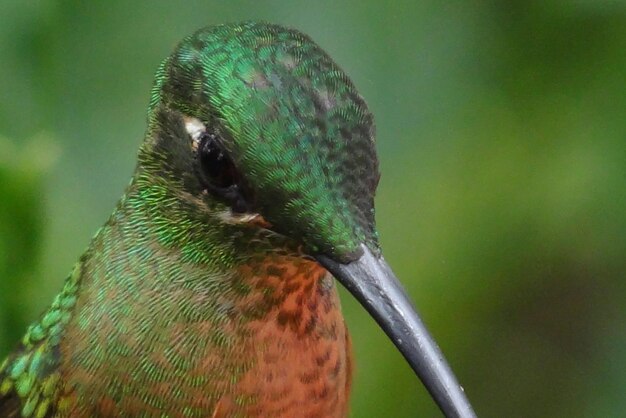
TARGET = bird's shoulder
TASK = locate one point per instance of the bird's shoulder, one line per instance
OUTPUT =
(30, 376)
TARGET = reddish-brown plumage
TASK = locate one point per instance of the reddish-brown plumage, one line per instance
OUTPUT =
(187, 302)
(304, 369)
(289, 357)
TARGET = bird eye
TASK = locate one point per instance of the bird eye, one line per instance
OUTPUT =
(219, 174)
(216, 166)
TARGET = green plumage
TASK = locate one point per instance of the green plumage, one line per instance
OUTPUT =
(291, 119)
(160, 306)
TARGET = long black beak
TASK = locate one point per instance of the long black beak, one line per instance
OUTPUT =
(373, 284)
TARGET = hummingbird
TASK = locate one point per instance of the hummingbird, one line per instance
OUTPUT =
(211, 289)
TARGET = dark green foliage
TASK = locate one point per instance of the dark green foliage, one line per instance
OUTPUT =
(20, 235)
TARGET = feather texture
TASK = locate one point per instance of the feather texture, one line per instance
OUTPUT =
(176, 310)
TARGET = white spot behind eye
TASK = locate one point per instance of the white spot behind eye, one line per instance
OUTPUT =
(229, 217)
(195, 128)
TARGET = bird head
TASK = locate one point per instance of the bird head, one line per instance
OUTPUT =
(275, 129)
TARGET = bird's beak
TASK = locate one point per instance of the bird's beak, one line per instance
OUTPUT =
(373, 284)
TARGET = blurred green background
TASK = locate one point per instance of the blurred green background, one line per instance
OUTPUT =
(502, 137)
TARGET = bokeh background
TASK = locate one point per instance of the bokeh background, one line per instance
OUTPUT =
(502, 206)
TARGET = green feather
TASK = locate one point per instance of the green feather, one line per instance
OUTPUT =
(161, 285)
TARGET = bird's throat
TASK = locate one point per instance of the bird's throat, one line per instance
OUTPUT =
(166, 318)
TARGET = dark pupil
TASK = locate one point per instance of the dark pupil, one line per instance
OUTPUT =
(216, 166)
